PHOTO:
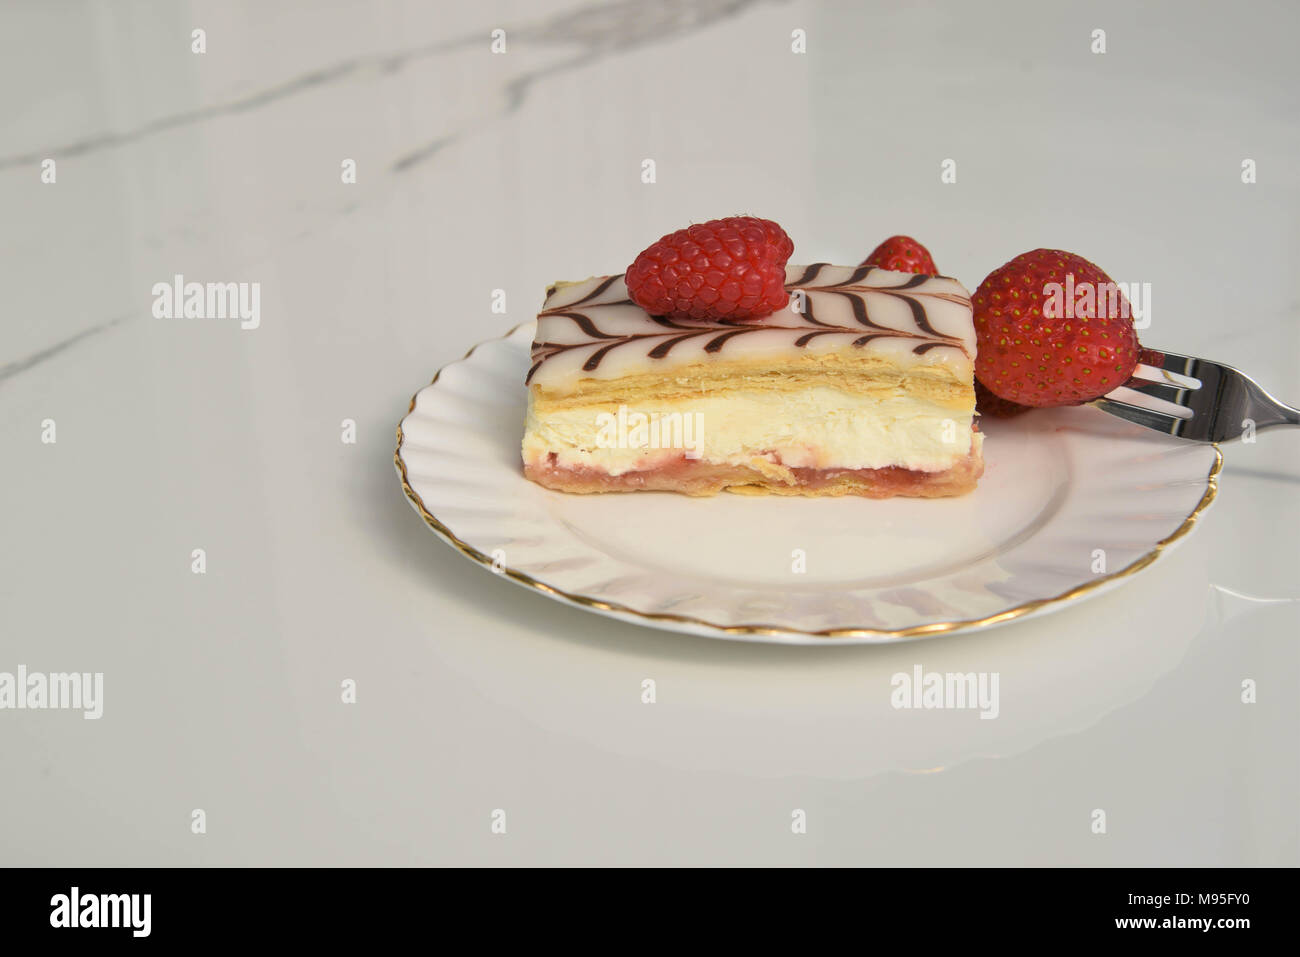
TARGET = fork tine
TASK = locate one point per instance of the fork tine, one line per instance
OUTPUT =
(1160, 390)
(1160, 421)
(1177, 363)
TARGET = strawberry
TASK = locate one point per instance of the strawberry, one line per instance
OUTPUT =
(1150, 357)
(730, 268)
(902, 254)
(1052, 329)
(986, 403)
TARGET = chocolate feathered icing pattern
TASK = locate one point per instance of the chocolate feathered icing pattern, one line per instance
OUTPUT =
(591, 329)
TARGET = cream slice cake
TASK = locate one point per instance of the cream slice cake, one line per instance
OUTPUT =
(862, 385)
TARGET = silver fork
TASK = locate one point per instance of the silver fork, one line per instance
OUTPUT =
(1226, 405)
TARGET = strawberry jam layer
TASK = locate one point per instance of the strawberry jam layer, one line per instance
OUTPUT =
(697, 477)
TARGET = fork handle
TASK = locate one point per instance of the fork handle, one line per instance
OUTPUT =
(1267, 412)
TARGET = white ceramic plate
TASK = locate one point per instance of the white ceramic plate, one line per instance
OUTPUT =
(1072, 502)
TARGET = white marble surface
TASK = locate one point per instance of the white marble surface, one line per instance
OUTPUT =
(479, 171)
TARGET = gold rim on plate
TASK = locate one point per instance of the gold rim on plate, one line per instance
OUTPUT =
(933, 628)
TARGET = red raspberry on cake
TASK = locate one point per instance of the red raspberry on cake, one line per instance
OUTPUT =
(902, 254)
(731, 268)
(1052, 329)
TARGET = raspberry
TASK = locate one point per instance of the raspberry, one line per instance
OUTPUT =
(902, 254)
(730, 268)
(1063, 348)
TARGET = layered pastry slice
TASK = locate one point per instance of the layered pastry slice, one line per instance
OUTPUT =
(861, 386)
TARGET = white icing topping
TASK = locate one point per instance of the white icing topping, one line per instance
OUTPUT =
(591, 329)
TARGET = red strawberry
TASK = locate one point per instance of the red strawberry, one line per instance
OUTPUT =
(902, 254)
(1052, 329)
(730, 268)
(986, 403)
(1150, 357)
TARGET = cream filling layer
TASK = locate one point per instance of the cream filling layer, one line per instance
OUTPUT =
(819, 427)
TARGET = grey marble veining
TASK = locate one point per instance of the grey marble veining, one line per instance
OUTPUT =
(14, 367)
(597, 30)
